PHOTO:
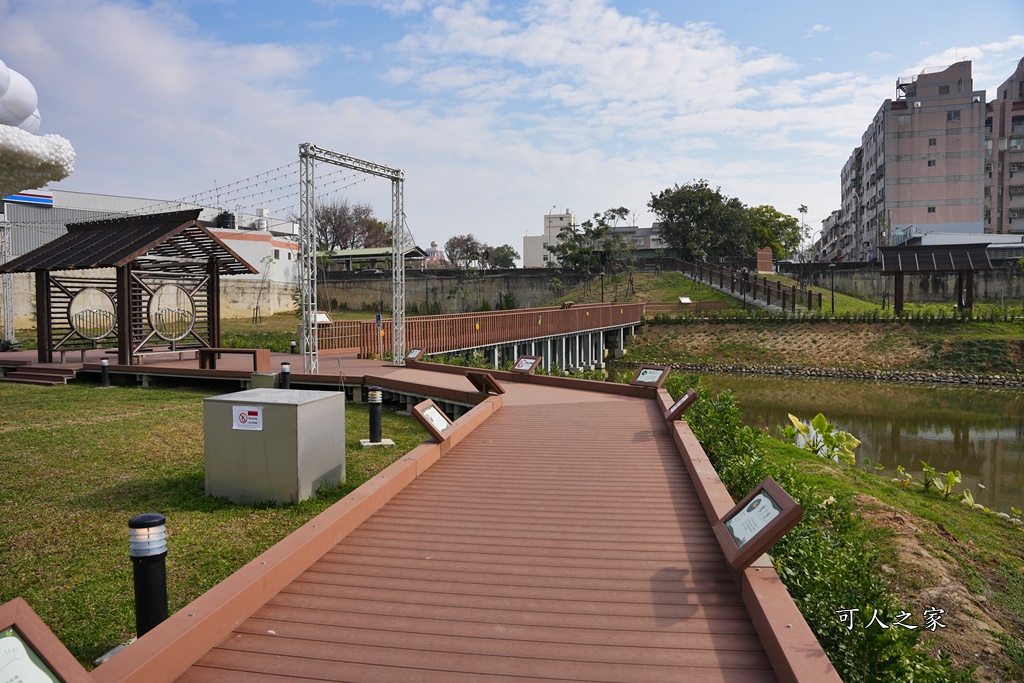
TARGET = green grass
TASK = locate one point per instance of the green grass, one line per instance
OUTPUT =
(78, 462)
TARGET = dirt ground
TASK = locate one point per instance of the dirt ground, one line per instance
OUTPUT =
(805, 344)
(925, 580)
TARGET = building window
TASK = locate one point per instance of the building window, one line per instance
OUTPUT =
(545, 258)
(953, 115)
(931, 209)
(943, 89)
(289, 256)
(904, 119)
(932, 142)
(277, 254)
(931, 162)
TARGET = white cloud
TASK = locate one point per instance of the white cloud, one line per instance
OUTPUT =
(494, 113)
(817, 29)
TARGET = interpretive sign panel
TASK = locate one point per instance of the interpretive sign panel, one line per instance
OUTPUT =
(29, 652)
(526, 364)
(650, 375)
(484, 382)
(757, 522)
(681, 406)
(433, 419)
(413, 355)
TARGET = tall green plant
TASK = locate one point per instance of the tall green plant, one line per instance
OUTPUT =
(821, 437)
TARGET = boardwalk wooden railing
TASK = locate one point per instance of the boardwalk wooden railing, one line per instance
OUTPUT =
(755, 287)
(458, 331)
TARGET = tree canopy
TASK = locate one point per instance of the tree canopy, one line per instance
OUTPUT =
(340, 225)
(702, 223)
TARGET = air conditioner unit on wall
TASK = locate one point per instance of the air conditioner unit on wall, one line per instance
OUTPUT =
(917, 105)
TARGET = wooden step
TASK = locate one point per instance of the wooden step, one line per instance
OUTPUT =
(12, 379)
(38, 375)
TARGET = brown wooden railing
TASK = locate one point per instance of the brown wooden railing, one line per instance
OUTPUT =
(443, 333)
(770, 291)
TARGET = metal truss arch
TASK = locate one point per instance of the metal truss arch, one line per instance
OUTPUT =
(309, 154)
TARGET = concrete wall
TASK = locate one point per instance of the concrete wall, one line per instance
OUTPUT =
(437, 292)
(426, 292)
(868, 281)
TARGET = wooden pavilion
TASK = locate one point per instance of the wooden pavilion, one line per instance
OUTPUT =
(962, 259)
(164, 294)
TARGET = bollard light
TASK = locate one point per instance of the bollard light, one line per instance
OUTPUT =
(105, 373)
(286, 375)
(147, 536)
(293, 345)
(376, 399)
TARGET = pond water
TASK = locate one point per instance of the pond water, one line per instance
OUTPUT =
(977, 431)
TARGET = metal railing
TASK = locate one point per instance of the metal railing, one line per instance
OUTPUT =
(756, 287)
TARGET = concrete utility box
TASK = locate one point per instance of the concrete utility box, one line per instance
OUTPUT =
(273, 444)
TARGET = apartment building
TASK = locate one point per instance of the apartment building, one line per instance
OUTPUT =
(921, 162)
(535, 247)
(1004, 157)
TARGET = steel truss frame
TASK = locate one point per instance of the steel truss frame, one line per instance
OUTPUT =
(309, 154)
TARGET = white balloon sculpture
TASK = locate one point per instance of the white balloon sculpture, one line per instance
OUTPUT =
(27, 161)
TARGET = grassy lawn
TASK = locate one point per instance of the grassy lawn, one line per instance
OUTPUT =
(79, 462)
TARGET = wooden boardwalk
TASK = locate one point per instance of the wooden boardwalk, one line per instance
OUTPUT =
(562, 533)
(561, 541)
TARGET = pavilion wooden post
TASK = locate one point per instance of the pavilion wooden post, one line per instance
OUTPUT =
(897, 301)
(213, 308)
(44, 336)
(124, 315)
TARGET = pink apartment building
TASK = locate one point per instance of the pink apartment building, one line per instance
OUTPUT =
(936, 158)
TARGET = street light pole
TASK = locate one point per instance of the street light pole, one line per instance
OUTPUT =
(602, 286)
(832, 269)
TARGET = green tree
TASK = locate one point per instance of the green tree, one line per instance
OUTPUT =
(698, 221)
(769, 227)
(504, 256)
(574, 249)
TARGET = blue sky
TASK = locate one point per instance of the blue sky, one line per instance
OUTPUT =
(496, 112)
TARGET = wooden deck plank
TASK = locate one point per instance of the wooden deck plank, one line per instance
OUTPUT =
(303, 655)
(496, 643)
(533, 632)
(705, 590)
(667, 593)
(531, 551)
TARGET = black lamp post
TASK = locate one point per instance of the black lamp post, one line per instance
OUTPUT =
(832, 269)
(602, 286)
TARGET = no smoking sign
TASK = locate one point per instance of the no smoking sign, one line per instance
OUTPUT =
(247, 417)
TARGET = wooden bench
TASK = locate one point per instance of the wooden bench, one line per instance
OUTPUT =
(260, 357)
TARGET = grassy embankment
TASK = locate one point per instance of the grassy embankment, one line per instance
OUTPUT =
(78, 462)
